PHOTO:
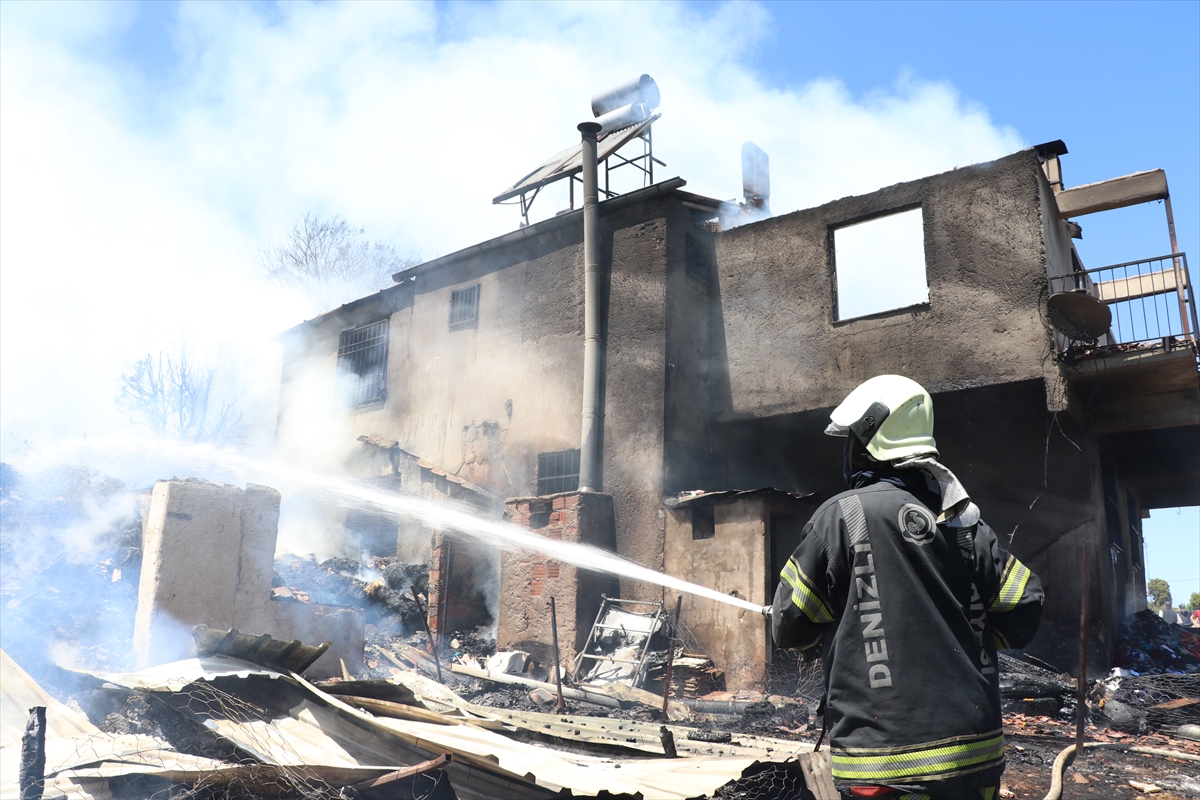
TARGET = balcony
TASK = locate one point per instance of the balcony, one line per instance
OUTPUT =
(1136, 384)
(1151, 302)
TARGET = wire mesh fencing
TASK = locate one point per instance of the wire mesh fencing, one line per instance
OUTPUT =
(783, 781)
(1142, 703)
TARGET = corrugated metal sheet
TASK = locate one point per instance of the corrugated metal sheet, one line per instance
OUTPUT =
(297, 727)
(176, 675)
(18, 694)
(642, 736)
(293, 656)
(685, 499)
(317, 729)
(79, 756)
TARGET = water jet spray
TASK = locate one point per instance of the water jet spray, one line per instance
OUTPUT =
(166, 456)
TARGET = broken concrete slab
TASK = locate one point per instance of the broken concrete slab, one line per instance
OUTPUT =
(208, 559)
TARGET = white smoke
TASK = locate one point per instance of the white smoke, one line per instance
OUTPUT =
(134, 204)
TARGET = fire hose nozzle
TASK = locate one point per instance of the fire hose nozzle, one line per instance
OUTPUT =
(768, 611)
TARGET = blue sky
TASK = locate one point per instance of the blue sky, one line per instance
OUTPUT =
(1118, 82)
(152, 148)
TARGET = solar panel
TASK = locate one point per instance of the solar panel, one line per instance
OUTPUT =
(569, 162)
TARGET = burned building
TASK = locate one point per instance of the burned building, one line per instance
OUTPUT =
(1067, 397)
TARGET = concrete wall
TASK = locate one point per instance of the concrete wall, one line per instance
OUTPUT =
(510, 387)
(986, 270)
(208, 555)
(518, 367)
(528, 580)
(696, 374)
(1035, 474)
(735, 559)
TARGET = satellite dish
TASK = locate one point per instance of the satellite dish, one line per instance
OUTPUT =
(1079, 315)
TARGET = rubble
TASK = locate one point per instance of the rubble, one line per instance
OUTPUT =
(281, 736)
(1149, 645)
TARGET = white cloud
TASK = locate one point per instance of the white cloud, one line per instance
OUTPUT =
(130, 214)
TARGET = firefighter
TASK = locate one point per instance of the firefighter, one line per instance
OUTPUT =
(906, 595)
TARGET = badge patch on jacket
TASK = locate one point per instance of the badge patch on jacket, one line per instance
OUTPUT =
(916, 524)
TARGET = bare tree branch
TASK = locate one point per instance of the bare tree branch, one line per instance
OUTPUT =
(175, 394)
(330, 262)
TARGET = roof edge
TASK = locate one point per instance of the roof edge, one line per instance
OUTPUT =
(537, 228)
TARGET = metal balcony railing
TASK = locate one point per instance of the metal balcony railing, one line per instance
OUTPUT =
(1150, 300)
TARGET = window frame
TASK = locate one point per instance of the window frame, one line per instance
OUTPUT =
(921, 305)
(564, 480)
(355, 359)
(472, 292)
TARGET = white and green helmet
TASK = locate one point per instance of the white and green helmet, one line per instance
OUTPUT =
(891, 415)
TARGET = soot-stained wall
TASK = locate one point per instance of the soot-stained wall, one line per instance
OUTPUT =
(515, 375)
(1035, 474)
(986, 270)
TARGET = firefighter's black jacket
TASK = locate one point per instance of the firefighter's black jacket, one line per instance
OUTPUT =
(908, 615)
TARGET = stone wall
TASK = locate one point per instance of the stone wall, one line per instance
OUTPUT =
(208, 553)
(528, 580)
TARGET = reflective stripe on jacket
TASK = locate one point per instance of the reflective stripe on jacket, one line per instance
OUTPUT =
(908, 615)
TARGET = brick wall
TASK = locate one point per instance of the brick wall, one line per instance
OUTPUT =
(528, 580)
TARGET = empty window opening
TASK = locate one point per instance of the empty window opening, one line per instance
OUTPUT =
(699, 261)
(464, 306)
(880, 265)
(362, 364)
(703, 522)
(558, 472)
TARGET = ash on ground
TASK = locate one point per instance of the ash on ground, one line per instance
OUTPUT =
(70, 557)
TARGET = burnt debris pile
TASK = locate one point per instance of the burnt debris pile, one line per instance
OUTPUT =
(382, 587)
(1027, 688)
(1151, 646)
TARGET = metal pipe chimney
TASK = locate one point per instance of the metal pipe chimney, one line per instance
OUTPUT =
(590, 465)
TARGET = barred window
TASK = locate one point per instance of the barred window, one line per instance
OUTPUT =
(464, 306)
(362, 364)
(558, 472)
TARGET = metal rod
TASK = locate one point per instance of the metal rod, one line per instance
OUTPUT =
(602, 657)
(590, 478)
(671, 658)
(1081, 683)
(557, 667)
(1191, 298)
(1122, 264)
(428, 633)
(407, 772)
(444, 595)
(1179, 277)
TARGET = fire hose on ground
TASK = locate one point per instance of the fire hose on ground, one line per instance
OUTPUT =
(1056, 775)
